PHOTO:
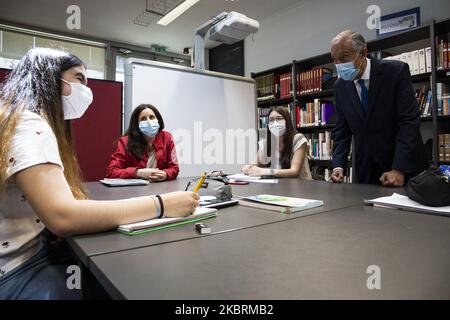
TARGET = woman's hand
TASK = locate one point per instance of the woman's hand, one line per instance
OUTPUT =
(151, 174)
(158, 175)
(246, 168)
(180, 204)
(255, 171)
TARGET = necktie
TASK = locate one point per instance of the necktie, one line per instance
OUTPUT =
(364, 94)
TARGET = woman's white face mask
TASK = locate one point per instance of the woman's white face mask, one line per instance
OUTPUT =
(278, 128)
(76, 104)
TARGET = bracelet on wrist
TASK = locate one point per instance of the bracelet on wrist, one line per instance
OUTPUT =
(162, 205)
(158, 208)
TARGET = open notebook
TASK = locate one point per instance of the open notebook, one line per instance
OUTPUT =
(398, 201)
(279, 203)
(158, 224)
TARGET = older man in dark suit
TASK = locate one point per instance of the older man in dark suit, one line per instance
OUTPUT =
(375, 105)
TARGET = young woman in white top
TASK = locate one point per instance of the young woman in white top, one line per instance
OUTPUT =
(284, 153)
(40, 184)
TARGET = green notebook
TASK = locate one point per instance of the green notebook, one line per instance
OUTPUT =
(280, 204)
(133, 229)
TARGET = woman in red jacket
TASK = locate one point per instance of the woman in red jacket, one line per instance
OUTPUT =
(146, 151)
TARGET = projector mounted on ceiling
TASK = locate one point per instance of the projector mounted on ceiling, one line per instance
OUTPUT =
(225, 28)
(233, 28)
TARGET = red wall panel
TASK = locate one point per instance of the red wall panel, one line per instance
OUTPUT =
(96, 132)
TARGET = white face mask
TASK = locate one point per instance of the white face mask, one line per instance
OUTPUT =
(76, 104)
(277, 128)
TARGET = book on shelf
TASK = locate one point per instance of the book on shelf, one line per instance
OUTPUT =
(445, 100)
(263, 115)
(317, 113)
(320, 145)
(428, 59)
(313, 80)
(424, 100)
(444, 147)
(443, 52)
(419, 61)
(285, 85)
(447, 147)
(442, 95)
(265, 87)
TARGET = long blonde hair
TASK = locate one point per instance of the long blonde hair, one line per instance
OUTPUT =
(35, 85)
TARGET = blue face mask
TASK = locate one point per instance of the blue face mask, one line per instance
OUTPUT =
(347, 71)
(149, 128)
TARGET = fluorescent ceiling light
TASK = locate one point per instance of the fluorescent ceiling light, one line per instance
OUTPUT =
(176, 12)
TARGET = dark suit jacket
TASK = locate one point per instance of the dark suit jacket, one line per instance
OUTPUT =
(388, 136)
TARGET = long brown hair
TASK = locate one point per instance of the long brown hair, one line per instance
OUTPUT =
(288, 137)
(35, 85)
(136, 141)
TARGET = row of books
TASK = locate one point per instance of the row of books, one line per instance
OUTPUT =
(317, 113)
(320, 145)
(285, 85)
(312, 80)
(419, 61)
(265, 87)
(443, 52)
(444, 147)
(424, 98)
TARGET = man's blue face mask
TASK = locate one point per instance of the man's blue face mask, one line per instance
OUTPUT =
(347, 71)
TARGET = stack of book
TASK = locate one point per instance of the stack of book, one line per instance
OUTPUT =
(265, 88)
(419, 61)
(312, 80)
(317, 113)
(444, 147)
(443, 52)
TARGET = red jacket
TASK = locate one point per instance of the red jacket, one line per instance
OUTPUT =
(123, 165)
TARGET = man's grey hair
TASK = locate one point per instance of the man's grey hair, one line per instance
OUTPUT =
(358, 41)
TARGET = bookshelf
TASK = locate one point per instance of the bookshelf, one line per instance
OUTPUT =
(430, 36)
(441, 121)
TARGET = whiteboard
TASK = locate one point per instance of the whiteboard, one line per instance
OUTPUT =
(212, 116)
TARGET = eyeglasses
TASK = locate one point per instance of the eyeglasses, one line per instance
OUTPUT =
(277, 119)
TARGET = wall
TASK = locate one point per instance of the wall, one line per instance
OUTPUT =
(306, 29)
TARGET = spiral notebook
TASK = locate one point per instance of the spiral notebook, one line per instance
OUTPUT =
(164, 223)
